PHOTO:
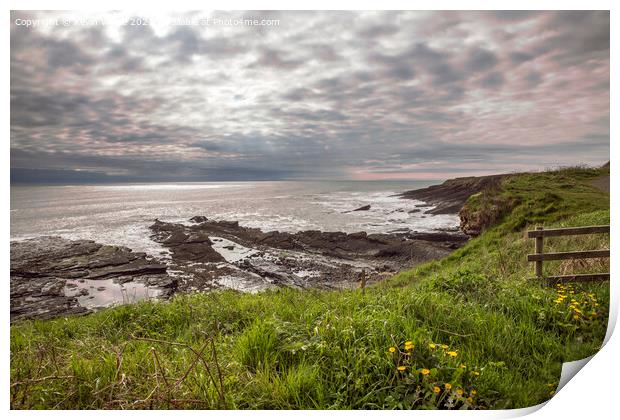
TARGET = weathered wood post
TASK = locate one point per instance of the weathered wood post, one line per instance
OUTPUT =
(539, 250)
(363, 280)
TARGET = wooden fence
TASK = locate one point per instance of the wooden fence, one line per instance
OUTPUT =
(538, 257)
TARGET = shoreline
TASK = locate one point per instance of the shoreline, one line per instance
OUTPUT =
(66, 276)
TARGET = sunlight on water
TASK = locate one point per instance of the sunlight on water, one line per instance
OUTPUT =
(121, 214)
(93, 294)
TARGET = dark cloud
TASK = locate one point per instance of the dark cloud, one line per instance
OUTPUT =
(271, 57)
(479, 60)
(320, 95)
(493, 80)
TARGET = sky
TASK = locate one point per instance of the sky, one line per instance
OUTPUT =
(219, 96)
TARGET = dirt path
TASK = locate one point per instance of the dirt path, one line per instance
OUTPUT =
(602, 183)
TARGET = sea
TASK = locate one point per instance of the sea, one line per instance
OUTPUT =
(120, 214)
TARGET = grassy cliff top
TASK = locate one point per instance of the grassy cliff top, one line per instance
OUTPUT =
(470, 331)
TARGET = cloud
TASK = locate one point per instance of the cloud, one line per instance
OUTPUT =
(319, 95)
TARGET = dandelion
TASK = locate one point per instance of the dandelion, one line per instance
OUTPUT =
(443, 346)
(408, 347)
(448, 387)
(459, 392)
(575, 317)
(473, 392)
(432, 346)
(402, 368)
(436, 389)
(470, 400)
(408, 343)
(452, 353)
(425, 371)
(392, 349)
(475, 373)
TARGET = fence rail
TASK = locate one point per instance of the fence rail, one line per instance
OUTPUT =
(538, 257)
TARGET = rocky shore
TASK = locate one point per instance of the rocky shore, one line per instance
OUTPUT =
(54, 276)
(209, 254)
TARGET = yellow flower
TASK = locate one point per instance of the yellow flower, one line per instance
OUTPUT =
(473, 392)
(425, 371)
(402, 368)
(452, 353)
(470, 400)
(436, 389)
(577, 310)
(475, 373)
(392, 349)
(462, 366)
(408, 343)
(459, 392)
(448, 386)
(575, 316)
(432, 346)
(443, 346)
(408, 347)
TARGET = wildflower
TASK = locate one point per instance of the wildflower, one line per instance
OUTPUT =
(448, 386)
(452, 353)
(436, 389)
(575, 317)
(443, 346)
(425, 371)
(392, 349)
(402, 368)
(473, 392)
(475, 373)
(432, 346)
(459, 392)
(470, 400)
(408, 347)
(577, 310)
(462, 366)
(408, 343)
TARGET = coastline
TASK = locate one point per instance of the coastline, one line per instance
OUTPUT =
(71, 277)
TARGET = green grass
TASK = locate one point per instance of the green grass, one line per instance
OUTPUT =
(287, 348)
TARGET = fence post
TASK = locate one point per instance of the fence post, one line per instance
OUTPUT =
(539, 250)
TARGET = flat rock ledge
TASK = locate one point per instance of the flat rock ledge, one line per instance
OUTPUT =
(41, 268)
(210, 254)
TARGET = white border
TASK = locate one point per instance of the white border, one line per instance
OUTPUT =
(591, 394)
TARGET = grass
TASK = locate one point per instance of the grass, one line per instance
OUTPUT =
(472, 330)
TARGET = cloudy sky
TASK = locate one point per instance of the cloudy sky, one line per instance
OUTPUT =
(311, 95)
